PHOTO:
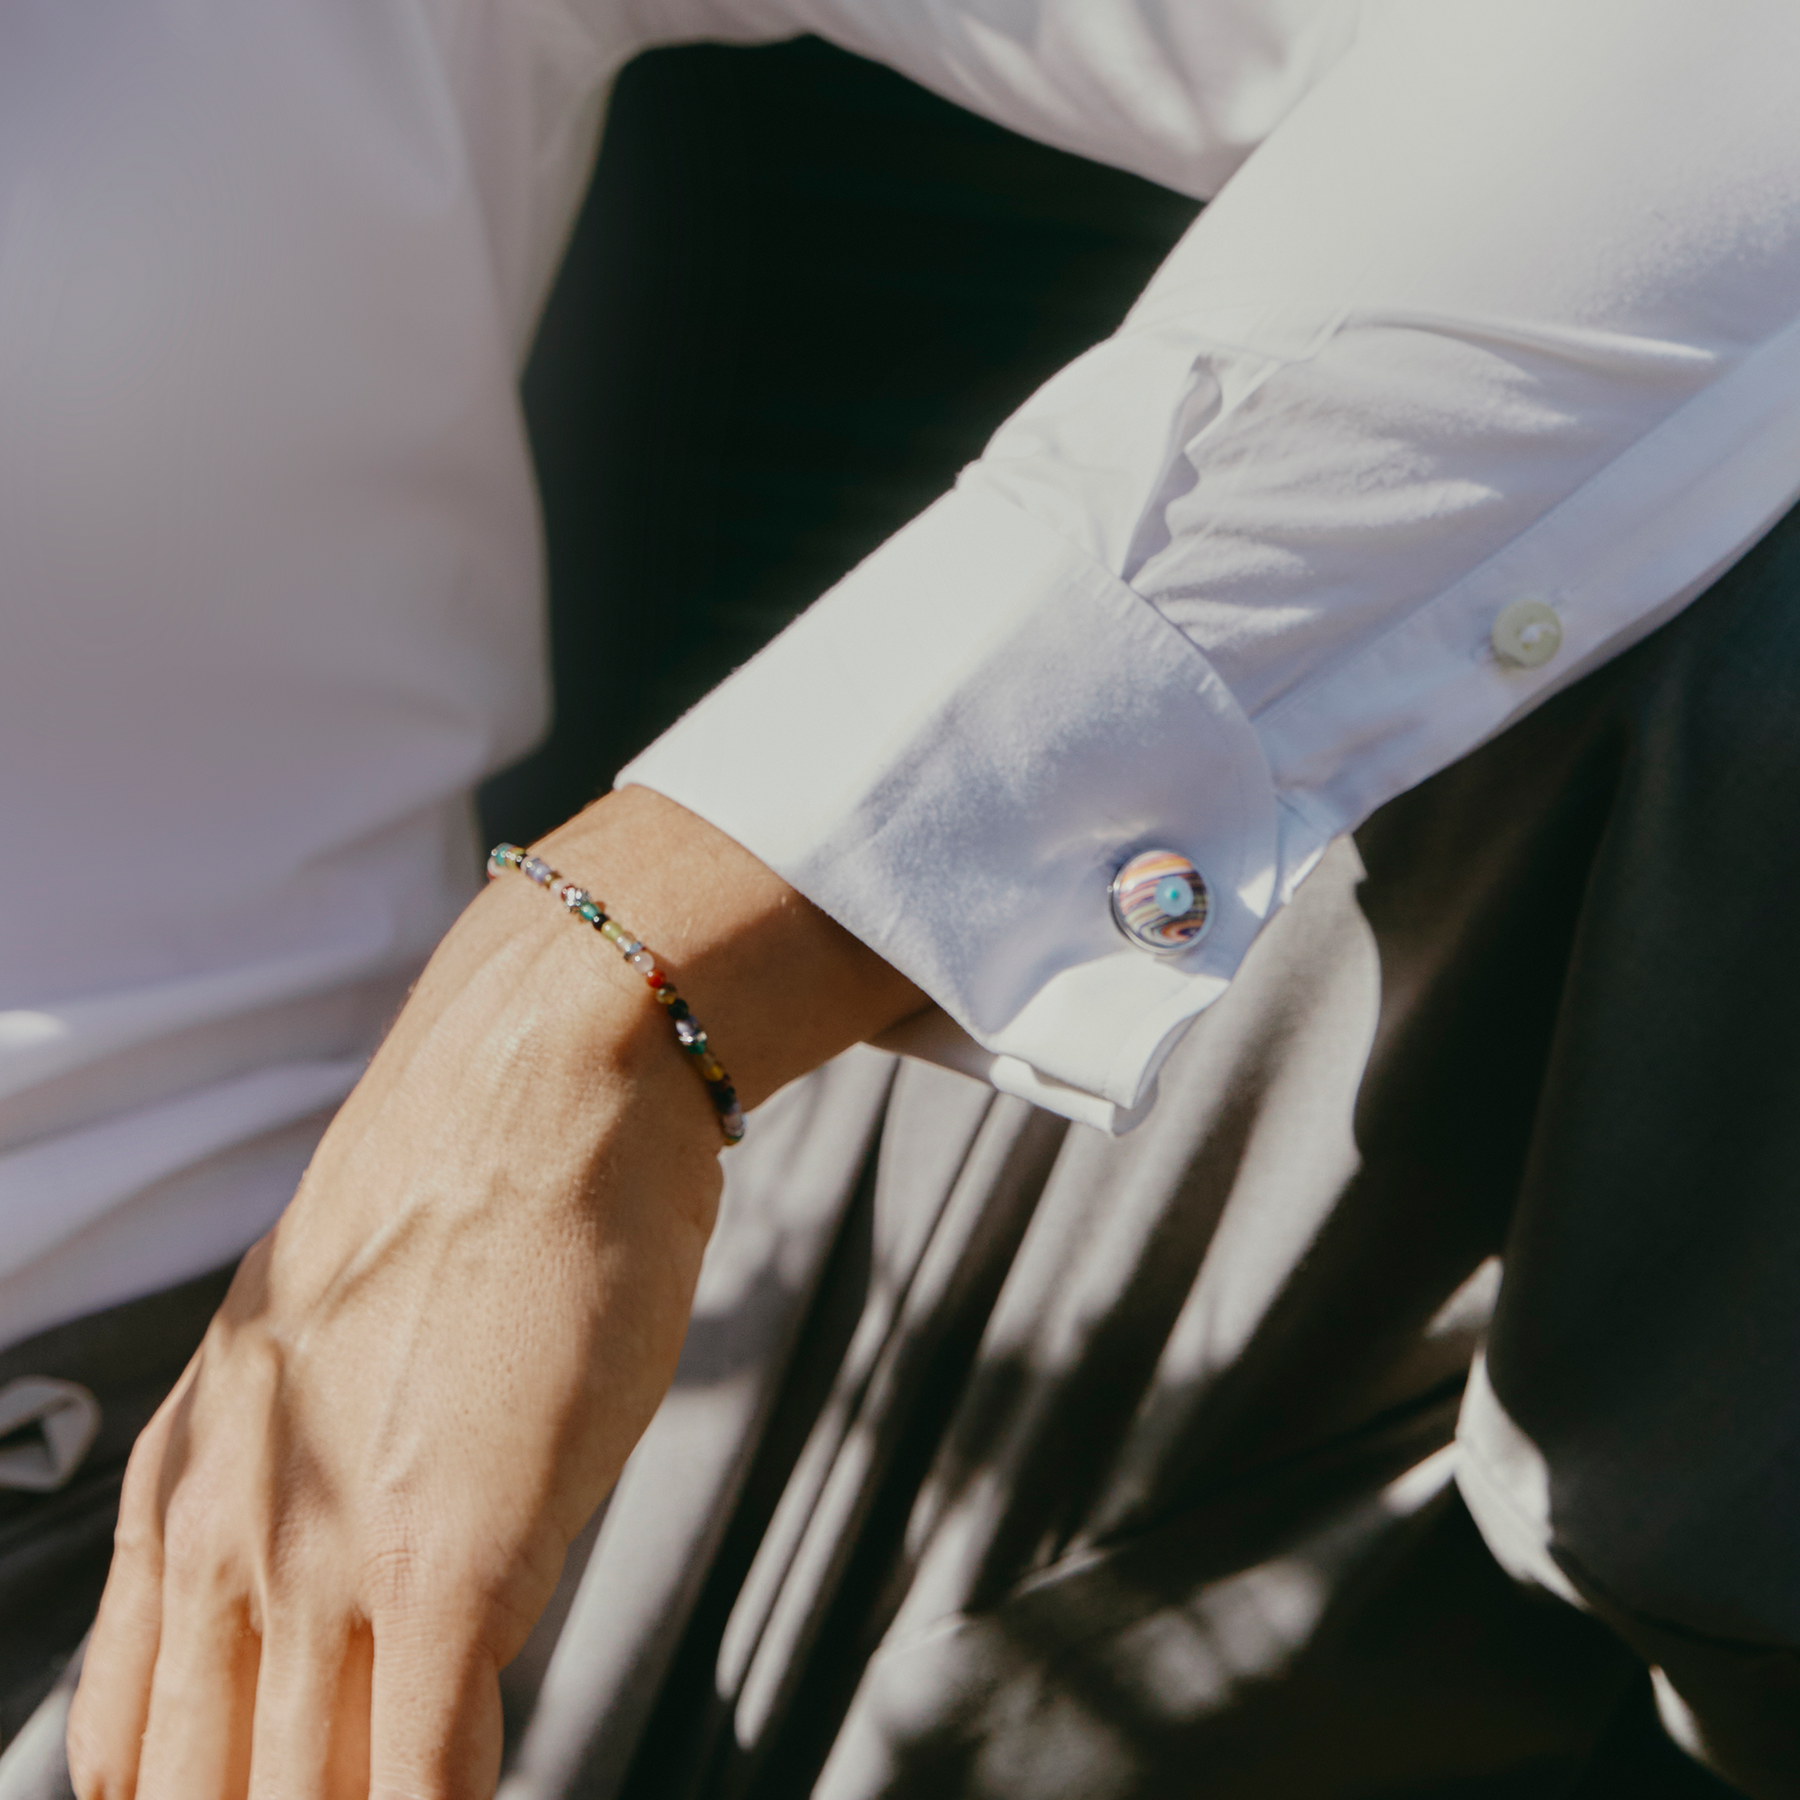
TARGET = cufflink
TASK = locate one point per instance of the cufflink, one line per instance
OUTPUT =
(1160, 902)
(1526, 634)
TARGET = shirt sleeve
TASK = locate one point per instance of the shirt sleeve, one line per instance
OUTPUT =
(1501, 310)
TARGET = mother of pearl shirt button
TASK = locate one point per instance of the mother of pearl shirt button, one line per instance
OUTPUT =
(1527, 634)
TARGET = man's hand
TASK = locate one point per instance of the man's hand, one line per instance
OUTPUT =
(349, 1513)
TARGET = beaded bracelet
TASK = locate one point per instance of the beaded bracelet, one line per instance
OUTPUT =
(688, 1032)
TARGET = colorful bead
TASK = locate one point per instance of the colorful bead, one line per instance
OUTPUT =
(688, 1031)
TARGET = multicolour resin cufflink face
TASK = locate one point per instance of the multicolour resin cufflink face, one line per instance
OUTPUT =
(1161, 903)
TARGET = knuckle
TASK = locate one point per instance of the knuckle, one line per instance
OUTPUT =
(421, 1591)
(143, 1476)
(137, 1539)
(199, 1547)
(400, 1575)
(412, 1548)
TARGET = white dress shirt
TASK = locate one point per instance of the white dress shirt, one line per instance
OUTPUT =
(1504, 308)
(1495, 301)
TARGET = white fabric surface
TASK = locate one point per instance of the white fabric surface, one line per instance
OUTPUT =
(269, 587)
(1500, 300)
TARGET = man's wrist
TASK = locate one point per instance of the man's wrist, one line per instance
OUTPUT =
(781, 986)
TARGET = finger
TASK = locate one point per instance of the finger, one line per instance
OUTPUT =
(203, 1692)
(112, 1703)
(434, 1720)
(312, 1714)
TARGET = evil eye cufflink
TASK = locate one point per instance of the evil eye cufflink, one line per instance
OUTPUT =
(1161, 902)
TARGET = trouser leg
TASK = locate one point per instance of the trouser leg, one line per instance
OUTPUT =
(1637, 1434)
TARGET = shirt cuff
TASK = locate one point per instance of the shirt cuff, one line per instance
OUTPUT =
(952, 753)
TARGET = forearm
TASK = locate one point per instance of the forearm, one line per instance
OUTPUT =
(548, 1044)
(782, 988)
